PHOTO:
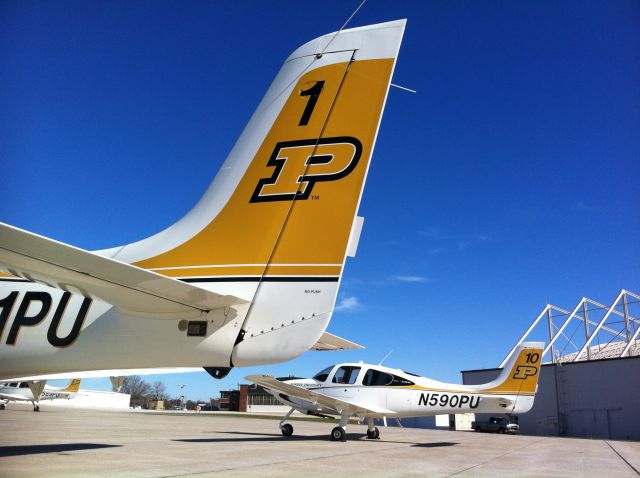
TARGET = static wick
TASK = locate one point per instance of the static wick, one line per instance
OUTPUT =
(403, 88)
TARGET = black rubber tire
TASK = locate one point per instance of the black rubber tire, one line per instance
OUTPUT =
(477, 429)
(2, 406)
(36, 408)
(373, 434)
(501, 430)
(337, 434)
(287, 430)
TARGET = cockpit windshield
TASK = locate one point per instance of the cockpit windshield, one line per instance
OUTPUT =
(323, 374)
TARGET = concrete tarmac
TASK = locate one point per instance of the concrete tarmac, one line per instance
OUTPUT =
(68, 442)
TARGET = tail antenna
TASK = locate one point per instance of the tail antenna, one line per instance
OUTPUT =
(385, 357)
(319, 55)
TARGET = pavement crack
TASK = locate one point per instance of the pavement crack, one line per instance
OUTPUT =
(623, 458)
(493, 459)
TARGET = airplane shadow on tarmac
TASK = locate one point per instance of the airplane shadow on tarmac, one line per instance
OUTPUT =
(277, 437)
(6, 451)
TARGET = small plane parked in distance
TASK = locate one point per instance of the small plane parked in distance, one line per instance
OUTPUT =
(35, 391)
(373, 391)
(250, 275)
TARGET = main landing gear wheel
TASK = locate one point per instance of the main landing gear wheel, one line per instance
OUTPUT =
(287, 430)
(36, 408)
(2, 406)
(337, 434)
(373, 434)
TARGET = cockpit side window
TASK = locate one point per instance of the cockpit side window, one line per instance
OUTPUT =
(377, 378)
(24, 385)
(322, 375)
(346, 375)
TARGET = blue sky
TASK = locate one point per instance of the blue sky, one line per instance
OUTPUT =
(508, 181)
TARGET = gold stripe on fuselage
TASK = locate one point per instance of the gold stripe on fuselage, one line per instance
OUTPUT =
(252, 270)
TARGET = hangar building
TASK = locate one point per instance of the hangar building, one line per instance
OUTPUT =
(249, 398)
(590, 386)
(590, 399)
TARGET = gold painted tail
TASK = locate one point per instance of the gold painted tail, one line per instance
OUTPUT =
(292, 212)
(73, 386)
(520, 374)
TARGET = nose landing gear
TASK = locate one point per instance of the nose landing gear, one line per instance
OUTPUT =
(286, 428)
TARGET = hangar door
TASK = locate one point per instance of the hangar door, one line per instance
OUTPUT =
(589, 422)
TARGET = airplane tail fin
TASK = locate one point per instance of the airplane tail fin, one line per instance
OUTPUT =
(520, 374)
(73, 386)
(283, 203)
(279, 219)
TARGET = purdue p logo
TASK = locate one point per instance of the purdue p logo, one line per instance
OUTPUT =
(525, 371)
(299, 165)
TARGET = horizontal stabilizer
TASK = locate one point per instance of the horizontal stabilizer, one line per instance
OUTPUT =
(353, 407)
(128, 287)
(333, 342)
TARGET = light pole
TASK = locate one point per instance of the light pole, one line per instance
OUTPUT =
(181, 397)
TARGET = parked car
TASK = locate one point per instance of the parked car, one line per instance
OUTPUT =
(496, 425)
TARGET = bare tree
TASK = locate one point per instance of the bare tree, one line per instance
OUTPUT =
(137, 388)
(159, 391)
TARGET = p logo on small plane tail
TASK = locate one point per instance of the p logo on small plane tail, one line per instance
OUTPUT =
(325, 159)
(524, 371)
(521, 372)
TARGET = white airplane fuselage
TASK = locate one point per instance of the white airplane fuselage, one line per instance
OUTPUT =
(35, 391)
(419, 397)
(18, 393)
(41, 326)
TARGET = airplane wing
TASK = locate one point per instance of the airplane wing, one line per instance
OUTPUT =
(268, 381)
(128, 287)
(10, 396)
(107, 373)
(332, 342)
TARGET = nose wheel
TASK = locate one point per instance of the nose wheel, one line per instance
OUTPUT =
(339, 432)
(286, 428)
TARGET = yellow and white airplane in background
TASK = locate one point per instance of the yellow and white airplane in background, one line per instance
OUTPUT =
(35, 391)
(373, 391)
(250, 275)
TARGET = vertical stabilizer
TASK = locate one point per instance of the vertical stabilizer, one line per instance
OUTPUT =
(274, 226)
(520, 374)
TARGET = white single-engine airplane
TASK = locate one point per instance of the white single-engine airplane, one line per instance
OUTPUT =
(35, 391)
(250, 275)
(373, 391)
